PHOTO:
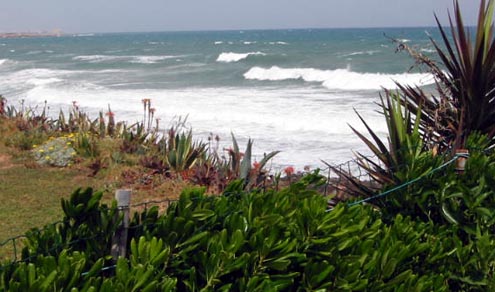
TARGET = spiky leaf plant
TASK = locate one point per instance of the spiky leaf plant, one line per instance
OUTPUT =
(465, 80)
(182, 152)
(400, 157)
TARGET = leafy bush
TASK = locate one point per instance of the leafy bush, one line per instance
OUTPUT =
(87, 226)
(24, 140)
(249, 241)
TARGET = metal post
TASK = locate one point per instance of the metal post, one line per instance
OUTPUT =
(460, 163)
(119, 241)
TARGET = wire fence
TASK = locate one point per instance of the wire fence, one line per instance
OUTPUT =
(407, 183)
(11, 249)
(353, 167)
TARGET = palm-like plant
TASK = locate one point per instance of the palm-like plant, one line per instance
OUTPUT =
(399, 158)
(417, 122)
(465, 81)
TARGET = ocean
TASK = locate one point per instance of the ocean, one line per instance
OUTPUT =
(288, 90)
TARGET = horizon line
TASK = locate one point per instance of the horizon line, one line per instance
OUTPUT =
(216, 30)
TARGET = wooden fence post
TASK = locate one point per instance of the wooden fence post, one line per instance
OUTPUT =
(119, 241)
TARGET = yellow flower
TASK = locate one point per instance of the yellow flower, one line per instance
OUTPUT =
(47, 157)
(34, 146)
(51, 148)
(41, 151)
(68, 143)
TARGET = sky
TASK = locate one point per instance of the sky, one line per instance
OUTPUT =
(173, 15)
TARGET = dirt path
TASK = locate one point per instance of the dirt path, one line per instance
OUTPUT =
(5, 161)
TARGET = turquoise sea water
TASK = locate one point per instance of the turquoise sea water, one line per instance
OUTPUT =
(289, 90)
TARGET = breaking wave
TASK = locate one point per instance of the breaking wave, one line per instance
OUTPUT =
(340, 79)
(236, 57)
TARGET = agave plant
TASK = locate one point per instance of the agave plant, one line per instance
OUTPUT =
(217, 171)
(399, 158)
(182, 152)
(465, 82)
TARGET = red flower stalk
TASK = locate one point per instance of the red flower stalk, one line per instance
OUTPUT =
(289, 170)
(256, 166)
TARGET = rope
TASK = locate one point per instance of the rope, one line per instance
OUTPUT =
(396, 188)
(102, 270)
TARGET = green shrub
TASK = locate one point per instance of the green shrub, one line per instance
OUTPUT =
(249, 241)
(86, 144)
(24, 140)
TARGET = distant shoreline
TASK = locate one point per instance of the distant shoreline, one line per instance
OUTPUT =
(12, 35)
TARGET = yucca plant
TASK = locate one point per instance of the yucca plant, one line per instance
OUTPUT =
(464, 103)
(465, 81)
(400, 158)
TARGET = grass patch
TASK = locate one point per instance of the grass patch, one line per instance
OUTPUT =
(43, 160)
(31, 196)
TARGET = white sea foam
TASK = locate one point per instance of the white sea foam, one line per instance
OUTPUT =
(428, 50)
(17, 83)
(218, 42)
(27, 79)
(150, 59)
(302, 118)
(84, 35)
(248, 43)
(43, 81)
(341, 79)
(404, 40)
(3, 61)
(34, 52)
(130, 59)
(95, 58)
(370, 53)
(25, 74)
(236, 57)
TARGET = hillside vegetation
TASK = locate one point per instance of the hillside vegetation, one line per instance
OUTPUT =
(423, 222)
